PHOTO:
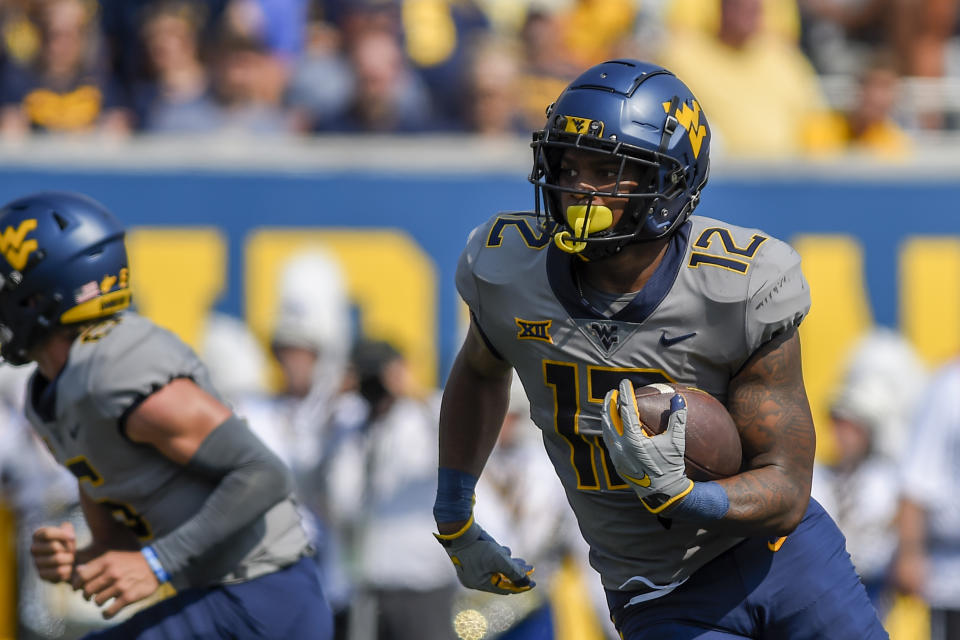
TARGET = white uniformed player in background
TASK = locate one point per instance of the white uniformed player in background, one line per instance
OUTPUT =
(927, 561)
(617, 286)
(176, 490)
(310, 416)
(871, 416)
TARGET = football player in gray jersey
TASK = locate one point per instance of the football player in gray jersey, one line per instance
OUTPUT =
(184, 503)
(611, 284)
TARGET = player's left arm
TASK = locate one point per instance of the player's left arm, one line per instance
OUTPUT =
(193, 429)
(768, 402)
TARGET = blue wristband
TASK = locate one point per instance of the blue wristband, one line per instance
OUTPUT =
(706, 501)
(155, 566)
(454, 495)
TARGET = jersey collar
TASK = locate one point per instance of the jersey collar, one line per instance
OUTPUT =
(562, 282)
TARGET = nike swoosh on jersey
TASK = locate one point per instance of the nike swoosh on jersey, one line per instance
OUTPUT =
(667, 341)
(643, 482)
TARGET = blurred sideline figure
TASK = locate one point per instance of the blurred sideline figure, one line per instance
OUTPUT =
(34, 491)
(380, 482)
(310, 340)
(871, 419)
(927, 562)
(236, 362)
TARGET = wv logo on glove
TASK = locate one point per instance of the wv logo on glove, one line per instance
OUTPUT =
(652, 464)
(483, 564)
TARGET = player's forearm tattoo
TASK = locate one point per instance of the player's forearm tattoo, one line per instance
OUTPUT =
(769, 404)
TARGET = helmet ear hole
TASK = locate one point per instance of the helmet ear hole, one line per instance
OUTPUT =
(60, 220)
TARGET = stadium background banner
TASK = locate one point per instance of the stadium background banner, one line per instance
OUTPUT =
(212, 227)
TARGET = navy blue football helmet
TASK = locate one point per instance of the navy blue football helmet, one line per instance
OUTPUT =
(645, 118)
(63, 262)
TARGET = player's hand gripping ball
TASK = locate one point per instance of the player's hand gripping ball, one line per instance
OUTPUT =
(661, 437)
(712, 448)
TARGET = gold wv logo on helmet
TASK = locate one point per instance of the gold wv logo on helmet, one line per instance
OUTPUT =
(573, 124)
(14, 246)
(689, 118)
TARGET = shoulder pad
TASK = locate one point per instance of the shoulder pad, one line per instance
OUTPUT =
(129, 362)
(498, 248)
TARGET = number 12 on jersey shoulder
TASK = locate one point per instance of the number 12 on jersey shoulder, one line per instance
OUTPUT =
(563, 378)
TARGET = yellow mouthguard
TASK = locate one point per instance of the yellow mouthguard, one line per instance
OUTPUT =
(600, 218)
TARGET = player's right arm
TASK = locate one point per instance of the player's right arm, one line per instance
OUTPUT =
(472, 411)
(473, 408)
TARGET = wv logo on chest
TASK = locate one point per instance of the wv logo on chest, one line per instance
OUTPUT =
(606, 336)
(606, 333)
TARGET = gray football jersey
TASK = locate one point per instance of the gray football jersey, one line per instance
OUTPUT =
(112, 367)
(720, 292)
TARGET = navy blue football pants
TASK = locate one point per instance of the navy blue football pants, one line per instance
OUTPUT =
(285, 605)
(807, 589)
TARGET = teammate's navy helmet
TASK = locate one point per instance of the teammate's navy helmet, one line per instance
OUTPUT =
(63, 262)
(645, 117)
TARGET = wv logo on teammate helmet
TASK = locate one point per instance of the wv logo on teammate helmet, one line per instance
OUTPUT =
(689, 118)
(14, 246)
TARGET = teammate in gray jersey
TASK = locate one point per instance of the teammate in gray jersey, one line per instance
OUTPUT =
(612, 285)
(179, 495)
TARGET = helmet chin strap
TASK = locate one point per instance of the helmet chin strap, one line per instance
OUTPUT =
(584, 219)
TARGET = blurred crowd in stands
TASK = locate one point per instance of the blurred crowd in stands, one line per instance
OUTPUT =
(820, 75)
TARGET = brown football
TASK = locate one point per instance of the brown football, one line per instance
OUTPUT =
(713, 443)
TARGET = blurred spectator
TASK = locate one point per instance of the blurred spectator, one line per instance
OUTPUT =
(387, 96)
(383, 483)
(122, 23)
(841, 36)
(491, 104)
(19, 37)
(923, 30)
(870, 416)
(547, 66)
(779, 18)
(249, 88)
(278, 24)
(321, 81)
(66, 88)
(594, 30)
(178, 99)
(353, 16)
(437, 35)
(927, 562)
(868, 125)
(757, 89)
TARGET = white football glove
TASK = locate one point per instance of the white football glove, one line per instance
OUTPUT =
(653, 465)
(483, 564)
